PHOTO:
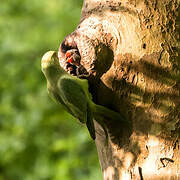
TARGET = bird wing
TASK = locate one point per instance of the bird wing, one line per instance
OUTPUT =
(73, 96)
(55, 96)
(90, 123)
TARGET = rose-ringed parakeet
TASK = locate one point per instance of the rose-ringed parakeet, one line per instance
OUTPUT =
(73, 65)
(72, 56)
(74, 95)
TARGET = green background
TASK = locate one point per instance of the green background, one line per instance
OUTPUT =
(38, 140)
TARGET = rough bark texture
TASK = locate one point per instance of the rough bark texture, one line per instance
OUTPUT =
(130, 49)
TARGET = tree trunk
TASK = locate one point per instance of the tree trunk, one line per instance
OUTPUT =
(130, 49)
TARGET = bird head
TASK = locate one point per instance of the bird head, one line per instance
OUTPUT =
(49, 59)
(50, 67)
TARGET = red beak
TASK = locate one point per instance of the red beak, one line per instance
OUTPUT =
(69, 60)
(67, 55)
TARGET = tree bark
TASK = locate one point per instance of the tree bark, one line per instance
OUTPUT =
(130, 49)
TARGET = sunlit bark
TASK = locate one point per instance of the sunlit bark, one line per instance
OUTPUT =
(130, 48)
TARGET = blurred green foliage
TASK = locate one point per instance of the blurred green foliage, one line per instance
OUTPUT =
(38, 140)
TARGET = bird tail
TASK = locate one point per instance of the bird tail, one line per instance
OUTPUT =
(90, 123)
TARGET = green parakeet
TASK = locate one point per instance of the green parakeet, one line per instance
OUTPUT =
(73, 94)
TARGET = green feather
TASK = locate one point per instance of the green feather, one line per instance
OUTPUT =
(73, 94)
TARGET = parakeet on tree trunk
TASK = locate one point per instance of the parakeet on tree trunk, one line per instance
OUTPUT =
(73, 94)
